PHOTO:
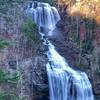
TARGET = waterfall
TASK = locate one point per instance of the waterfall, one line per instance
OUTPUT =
(64, 82)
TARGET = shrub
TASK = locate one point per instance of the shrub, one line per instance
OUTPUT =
(4, 77)
(10, 96)
(4, 96)
(48, 1)
(3, 43)
(30, 30)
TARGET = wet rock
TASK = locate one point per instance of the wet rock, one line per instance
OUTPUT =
(97, 97)
(61, 24)
(43, 49)
(43, 98)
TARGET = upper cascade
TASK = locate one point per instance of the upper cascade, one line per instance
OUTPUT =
(43, 14)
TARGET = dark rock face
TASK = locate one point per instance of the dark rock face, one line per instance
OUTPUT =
(34, 78)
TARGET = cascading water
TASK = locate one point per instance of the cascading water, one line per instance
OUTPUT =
(64, 82)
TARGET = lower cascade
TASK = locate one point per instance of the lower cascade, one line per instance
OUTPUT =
(64, 82)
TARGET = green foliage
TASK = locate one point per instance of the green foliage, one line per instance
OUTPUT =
(48, 1)
(4, 77)
(10, 96)
(4, 96)
(3, 43)
(13, 78)
(30, 30)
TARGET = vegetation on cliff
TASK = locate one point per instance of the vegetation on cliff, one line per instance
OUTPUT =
(9, 81)
(83, 16)
(3, 43)
(48, 1)
(12, 28)
(30, 30)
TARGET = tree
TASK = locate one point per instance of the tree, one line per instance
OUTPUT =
(88, 8)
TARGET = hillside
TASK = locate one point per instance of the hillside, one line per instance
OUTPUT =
(23, 58)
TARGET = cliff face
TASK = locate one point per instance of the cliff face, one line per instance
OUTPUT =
(28, 61)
